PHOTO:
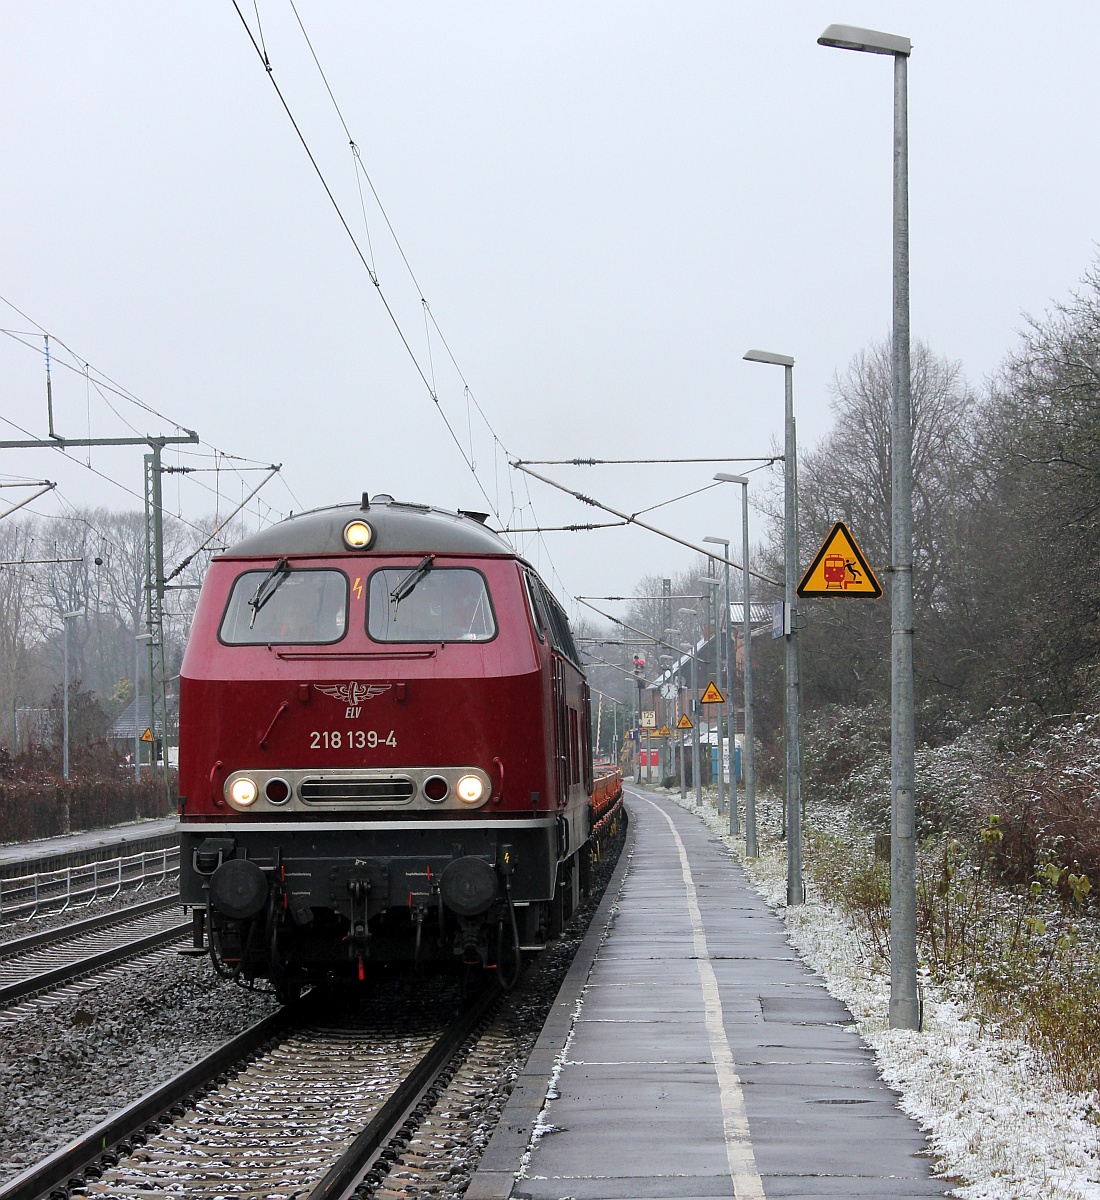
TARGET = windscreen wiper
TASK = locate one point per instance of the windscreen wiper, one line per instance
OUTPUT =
(269, 585)
(405, 587)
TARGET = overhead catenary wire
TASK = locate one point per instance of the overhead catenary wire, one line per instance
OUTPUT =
(355, 244)
(566, 528)
(468, 457)
(651, 637)
(633, 520)
(102, 383)
(766, 459)
(218, 528)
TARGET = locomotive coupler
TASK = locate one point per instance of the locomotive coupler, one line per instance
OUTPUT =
(359, 935)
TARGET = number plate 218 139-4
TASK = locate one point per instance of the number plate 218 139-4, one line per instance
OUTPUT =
(351, 739)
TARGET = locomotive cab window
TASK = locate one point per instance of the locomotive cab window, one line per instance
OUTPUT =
(422, 604)
(286, 606)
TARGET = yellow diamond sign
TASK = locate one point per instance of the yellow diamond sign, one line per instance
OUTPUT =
(840, 569)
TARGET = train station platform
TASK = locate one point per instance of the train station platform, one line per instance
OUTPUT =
(89, 845)
(703, 1059)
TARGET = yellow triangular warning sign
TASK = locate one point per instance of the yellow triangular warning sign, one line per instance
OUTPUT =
(684, 722)
(665, 731)
(840, 569)
(712, 695)
(147, 736)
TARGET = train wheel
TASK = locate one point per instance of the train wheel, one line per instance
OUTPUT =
(287, 991)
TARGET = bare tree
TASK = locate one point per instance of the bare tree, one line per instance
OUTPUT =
(16, 613)
(848, 477)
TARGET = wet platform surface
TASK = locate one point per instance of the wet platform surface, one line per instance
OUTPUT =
(92, 843)
(707, 1060)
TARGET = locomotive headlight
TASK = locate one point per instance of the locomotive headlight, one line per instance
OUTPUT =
(357, 535)
(470, 789)
(243, 791)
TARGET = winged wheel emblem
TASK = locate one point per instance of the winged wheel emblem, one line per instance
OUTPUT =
(351, 692)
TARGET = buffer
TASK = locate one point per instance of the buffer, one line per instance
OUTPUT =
(839, 569)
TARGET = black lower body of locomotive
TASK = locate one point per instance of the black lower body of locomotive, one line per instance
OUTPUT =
(303, 906)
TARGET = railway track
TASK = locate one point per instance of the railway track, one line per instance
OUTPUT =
(333, 1097)
(304, 1103)
(54, 957)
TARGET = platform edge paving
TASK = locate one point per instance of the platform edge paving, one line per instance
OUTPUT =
(87, 846)
(496, 1174)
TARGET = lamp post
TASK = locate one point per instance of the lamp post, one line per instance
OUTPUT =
(747, 755)
(795, 894)
(748, 759)
(66, 618)
(727, 674)
(711, 583)
(904, 999)
(679, 698)
(695, 770)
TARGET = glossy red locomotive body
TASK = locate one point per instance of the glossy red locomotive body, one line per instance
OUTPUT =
(384, 747)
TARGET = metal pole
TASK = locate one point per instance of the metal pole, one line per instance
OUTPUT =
(719, 655)
(137, 707)
(731, 708)
(794, 765)
(65, 704)
(696, 774)
(638, 737)
(150, 606)
(158, 564)
(746, 668)
(904, 1001)
(680, 732)
(904, 998)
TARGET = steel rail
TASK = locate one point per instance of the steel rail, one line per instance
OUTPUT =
(110, 1135)
(61, 933)
(92, 963)
(53, 1171)
(347, 1172)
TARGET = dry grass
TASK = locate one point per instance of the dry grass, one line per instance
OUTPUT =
(1030, 954)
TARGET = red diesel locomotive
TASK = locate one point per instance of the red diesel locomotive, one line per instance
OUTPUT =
(384, 749)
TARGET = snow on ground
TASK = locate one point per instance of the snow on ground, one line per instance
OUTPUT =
(1000, 1130)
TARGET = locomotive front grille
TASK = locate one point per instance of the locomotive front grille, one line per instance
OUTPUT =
(395, 789)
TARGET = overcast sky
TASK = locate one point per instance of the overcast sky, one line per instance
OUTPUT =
(605, 205)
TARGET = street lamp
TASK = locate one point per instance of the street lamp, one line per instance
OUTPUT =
(695, 769)
(904, 1000)
(711, 583)
(795, 893)
(679, 697)
(66, 617)
(748, 760)
(725, 676)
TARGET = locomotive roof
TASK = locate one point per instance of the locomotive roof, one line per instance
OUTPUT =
(398, 528)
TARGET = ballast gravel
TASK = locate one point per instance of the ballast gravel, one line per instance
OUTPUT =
(65, 1068)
